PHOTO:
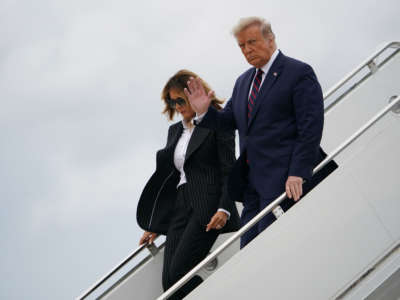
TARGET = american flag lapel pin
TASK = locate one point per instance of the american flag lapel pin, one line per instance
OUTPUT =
(275, 74)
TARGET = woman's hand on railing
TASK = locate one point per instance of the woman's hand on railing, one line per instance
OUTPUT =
(217, 221)
(147, 238)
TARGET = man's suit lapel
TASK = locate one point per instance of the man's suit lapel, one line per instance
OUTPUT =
(267, 85)
(197, 138)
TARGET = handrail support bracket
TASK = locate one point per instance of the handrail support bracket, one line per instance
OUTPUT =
(153, 249)
(396, 108)
(372, 66)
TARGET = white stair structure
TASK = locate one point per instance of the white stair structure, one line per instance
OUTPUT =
(341, 241)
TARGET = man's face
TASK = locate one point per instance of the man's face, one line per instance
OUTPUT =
(254, 46)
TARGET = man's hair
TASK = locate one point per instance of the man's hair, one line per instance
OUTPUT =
(244, 23)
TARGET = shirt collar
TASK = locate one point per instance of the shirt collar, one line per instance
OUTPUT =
(187, 125)
(268, 65)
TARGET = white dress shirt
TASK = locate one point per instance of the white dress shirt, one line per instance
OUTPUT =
(180, 150)
(180, 154)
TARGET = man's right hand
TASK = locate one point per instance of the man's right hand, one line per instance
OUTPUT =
(148, 237)
(199, 100)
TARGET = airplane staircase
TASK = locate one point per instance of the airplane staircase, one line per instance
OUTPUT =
(341, 241)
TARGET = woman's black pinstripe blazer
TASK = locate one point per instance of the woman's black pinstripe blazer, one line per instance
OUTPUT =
(209, 158)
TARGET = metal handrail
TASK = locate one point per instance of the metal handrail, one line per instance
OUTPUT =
(365, 63)
(276, 202)
(113, 271)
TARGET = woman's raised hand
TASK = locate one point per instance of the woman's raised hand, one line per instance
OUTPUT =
(198, 98)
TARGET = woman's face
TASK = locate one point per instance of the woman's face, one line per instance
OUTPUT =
(185, 110)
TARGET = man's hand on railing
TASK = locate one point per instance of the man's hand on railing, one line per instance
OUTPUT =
(148, 237)
(294, 187)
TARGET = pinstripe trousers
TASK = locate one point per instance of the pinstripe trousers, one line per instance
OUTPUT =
(187, 244)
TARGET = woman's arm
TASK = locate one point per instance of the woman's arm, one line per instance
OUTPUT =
(226, 158)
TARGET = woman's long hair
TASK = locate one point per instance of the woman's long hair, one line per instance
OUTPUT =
(179, 82)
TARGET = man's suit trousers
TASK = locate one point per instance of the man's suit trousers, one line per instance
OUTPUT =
(252, 205)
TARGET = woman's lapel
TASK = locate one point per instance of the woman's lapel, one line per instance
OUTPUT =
(198, 136)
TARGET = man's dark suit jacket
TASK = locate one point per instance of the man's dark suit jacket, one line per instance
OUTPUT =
(283, 135)
(209, 159)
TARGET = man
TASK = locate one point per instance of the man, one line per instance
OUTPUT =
(277, 107)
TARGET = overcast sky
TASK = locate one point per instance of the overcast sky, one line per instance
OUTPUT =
(80, 121)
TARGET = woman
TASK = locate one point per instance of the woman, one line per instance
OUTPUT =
(186, 198)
